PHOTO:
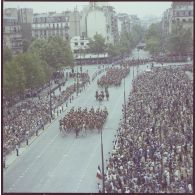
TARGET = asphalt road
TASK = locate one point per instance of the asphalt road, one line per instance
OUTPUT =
(56, 163)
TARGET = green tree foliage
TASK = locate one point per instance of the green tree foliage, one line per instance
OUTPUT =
(54, 51)
(180, 40)
(97, 45)
(127, 41)
(34, 68)
(137, 35)
(26, 44)
(153, 38)
(112, 50)
(7, 54)
(13, 78)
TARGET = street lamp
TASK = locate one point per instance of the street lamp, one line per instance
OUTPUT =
(80, 60)
(103, 179)
(138, 53)
(50, 99)
(124, 102)
(77, 80)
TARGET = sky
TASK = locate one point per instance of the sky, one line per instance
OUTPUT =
(141, 9)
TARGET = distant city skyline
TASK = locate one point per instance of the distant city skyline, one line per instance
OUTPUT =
(141, 9)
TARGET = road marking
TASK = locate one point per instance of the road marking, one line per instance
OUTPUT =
(35, 160)
(94, 152)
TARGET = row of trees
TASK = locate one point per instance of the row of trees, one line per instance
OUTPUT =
(179, 41)
(34, 68)
(124, 45)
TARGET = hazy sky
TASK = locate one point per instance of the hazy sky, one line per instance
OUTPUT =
(139, 8)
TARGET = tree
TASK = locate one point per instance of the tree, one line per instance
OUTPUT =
(137, 35)
(112, 50)
(54, 51)
(153, 38)
(7, 54)
(179, 41)
(13, 79)
(26, 44)
(97, 45)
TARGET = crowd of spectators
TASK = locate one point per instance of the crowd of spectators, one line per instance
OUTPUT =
(134, 62)
(83, 79)
(80, 120)
(113, 76)
(153, 149)
(188, 67)
(23, 120)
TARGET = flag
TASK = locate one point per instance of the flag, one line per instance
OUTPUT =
(99, 174)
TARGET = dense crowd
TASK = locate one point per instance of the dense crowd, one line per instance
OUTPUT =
(188, 67)
(113, 76)
(22, 121)
(83, 79)
(78, 120)
(153, 149)
(134, 62)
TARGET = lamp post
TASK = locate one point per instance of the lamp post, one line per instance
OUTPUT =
(80, 60)
(124, 102)
(50, 98)
(77, 80)
(102, 154)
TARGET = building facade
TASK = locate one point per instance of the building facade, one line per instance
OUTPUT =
(51, 24)
(134, 20)
(65, 25)
(123, 23)
(183, 14)
(105, 20)
(79, 44)
(25, 18)
(12, 34)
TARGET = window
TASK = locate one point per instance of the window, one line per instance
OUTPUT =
(184, 20)
(44, 32)
(190, 20)
(82, 43)
(53, 26)
(76, 43)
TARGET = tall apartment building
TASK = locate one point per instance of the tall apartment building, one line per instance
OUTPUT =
(17, 28)
(134, 20)
(183, 13)
(101, 19)
(65, 25)
(25, 17)
(12, 34)
(51, 24)
(179, 13)
(166, 22)
(123, 23)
